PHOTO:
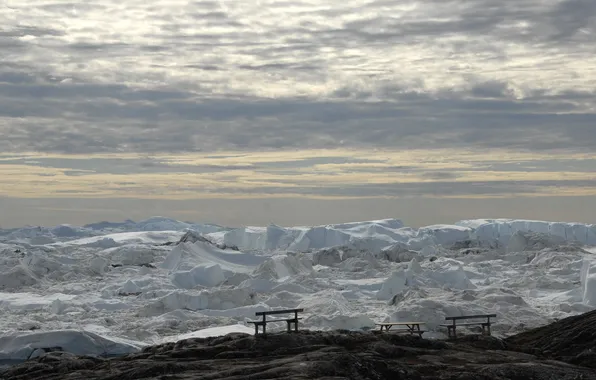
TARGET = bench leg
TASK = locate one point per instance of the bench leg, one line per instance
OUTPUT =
(295, 323)
(488, 330)
(418, 331)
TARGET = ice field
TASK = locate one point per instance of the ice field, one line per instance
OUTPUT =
(112, 288)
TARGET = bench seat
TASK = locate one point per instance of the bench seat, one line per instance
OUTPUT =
(467, 324)
(261, 322)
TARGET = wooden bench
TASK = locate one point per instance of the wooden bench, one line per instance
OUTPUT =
(451, 328)
(290, 321)
(411, 327)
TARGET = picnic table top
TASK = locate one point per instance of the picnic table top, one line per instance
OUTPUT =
(399, 323)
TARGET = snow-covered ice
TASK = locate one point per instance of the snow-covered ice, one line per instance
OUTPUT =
(111, 288)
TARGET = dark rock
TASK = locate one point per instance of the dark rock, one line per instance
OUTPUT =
(310, 355)
(193, 237)
(572, 339)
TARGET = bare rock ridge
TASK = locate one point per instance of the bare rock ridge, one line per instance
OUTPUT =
(572, 340)
(559, 351)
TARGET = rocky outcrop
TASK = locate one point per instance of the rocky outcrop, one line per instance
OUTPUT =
(308, 355)
(562, 350)
(572, 340)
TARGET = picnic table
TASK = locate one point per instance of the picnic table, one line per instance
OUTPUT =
(409, 327)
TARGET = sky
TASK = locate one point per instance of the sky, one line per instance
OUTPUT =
(297, 112)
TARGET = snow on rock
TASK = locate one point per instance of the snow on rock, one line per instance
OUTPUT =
(27, 345)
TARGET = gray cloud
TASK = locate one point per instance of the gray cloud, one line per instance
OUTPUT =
(303, 177)
(209, 75)
(437, 188)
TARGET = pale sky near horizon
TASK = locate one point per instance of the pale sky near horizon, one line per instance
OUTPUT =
(297, 112)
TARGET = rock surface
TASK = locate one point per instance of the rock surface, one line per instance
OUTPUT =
(571, 339)
(563, 350)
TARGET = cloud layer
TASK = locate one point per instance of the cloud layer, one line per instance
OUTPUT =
(333, 174)
(182, 76)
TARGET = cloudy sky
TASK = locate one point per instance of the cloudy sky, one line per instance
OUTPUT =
(297, 112)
